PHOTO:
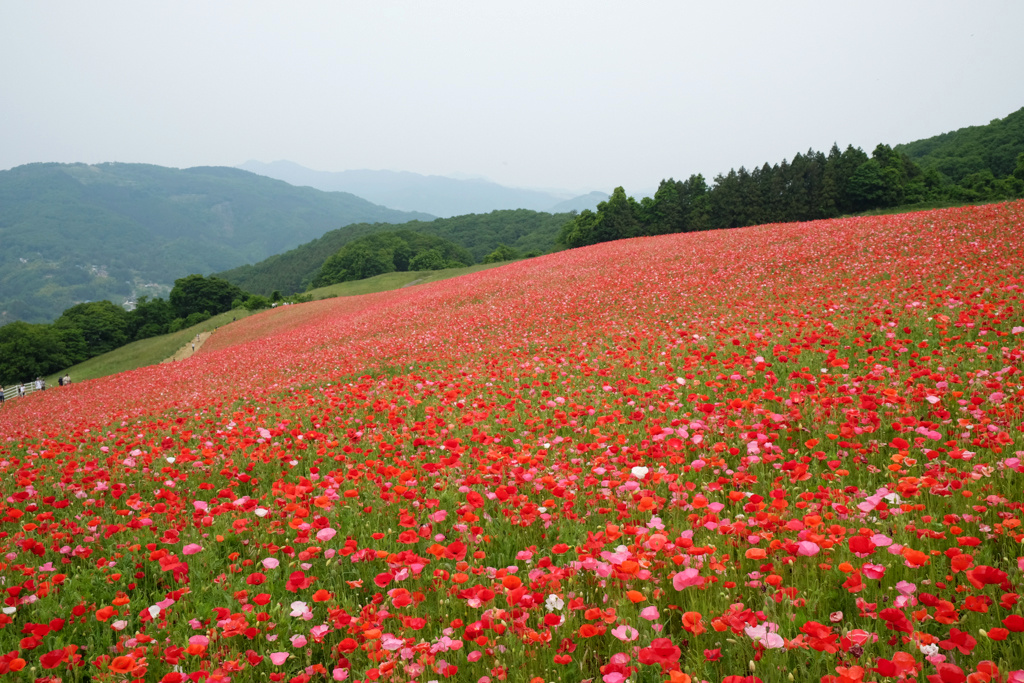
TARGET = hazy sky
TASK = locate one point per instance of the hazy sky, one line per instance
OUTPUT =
(578, 95)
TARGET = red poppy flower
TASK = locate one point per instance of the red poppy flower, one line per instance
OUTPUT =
(52, 659)
(896, 620)
(298, 581)
(958, 640)
(1015, 623)
(985, 575)
(861, 546)
(121, 665)
(661, 651)
(105, 613)
(948, 673)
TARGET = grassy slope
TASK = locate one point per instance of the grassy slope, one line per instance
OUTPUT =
(387, 281)
(922, 206)
(156, 349)
(145, 351)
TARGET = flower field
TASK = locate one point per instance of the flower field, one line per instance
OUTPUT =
(787, 452)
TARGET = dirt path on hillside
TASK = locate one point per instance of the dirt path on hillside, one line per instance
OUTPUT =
(188, 349)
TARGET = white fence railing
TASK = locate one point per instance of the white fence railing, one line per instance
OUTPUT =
(19, 390)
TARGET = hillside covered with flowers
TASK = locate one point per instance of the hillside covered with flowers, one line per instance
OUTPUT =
(784, 452)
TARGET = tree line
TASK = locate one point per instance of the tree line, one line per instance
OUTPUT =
(486, 237)
(90, 329)
(401, 251)
(811, 186)
(389, 252)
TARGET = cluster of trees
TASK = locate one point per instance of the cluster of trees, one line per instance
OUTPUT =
(91, 329)
(402, 251)
(388, 252)
(809, 187)
(523, 231)
(503, 252)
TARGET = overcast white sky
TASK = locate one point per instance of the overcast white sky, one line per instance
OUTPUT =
(577, 95)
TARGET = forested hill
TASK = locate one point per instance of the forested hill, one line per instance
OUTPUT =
(980, 164)
(74, 232)
(994, 148)
(523, 230)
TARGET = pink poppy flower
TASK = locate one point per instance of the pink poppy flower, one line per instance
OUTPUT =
(649, 613)
(807, 548)
(390, 642)
(766, 635)
(686, 578)
(625, 633)
(873, 571)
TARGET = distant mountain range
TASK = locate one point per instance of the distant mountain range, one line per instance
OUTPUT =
(437, 195)
(74, 232)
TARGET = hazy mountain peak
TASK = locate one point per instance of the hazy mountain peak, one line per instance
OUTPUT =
(443, 196)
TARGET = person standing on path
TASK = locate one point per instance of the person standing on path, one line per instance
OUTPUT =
(2, 397)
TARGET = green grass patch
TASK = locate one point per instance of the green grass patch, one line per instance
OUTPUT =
(389, 281)
(927, 206)
(145, 351)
